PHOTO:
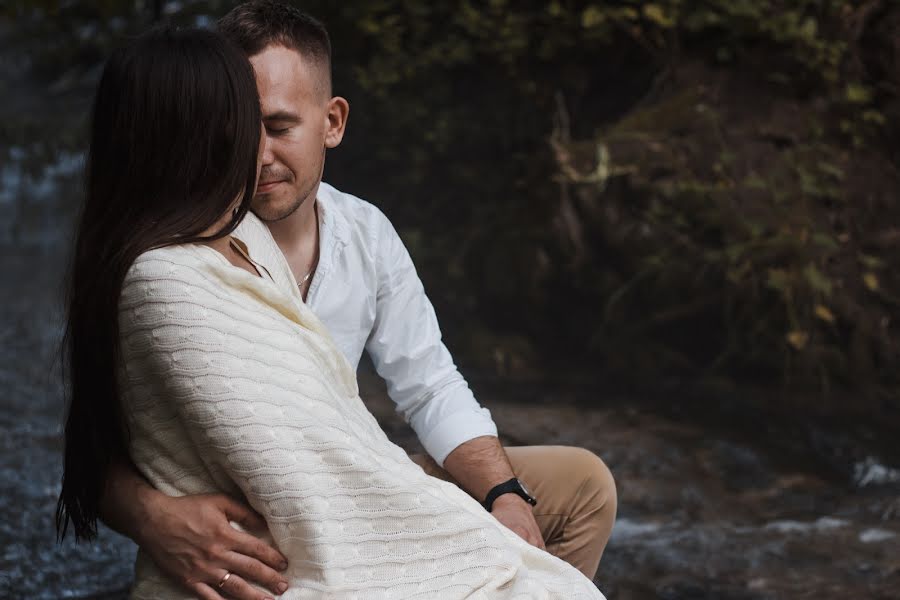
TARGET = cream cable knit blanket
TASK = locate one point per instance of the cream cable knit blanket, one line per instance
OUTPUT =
(230, 384)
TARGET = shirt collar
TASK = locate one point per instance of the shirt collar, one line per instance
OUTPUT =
(333, 225)
(334, 234)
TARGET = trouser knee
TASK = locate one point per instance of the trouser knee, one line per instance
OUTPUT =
(598, 490)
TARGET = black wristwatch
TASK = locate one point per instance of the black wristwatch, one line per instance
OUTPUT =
(513, 486)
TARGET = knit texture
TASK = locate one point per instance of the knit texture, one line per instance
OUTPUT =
(230, 384)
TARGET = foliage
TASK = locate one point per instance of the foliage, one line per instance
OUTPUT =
(706, 217)
(662, 188)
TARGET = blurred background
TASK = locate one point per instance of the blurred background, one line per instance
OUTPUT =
(666, 231)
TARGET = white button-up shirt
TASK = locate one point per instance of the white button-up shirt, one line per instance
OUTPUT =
(367, 292)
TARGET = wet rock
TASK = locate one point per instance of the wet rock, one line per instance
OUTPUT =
(739, 467)
(682, 589)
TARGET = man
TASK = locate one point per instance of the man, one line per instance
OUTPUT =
(356, 275)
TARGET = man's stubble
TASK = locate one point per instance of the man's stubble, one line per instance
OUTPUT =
(260, 207)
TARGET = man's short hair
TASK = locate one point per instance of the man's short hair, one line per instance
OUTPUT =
(257, 24)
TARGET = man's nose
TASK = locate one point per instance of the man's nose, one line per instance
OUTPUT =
(267, 157)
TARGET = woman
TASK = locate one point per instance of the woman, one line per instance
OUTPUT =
(192, 352)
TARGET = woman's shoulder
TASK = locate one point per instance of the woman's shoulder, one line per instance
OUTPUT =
(166, 259)
(167, 267)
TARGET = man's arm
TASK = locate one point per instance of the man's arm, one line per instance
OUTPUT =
(480, 464)
(406, 348)
(190, 538)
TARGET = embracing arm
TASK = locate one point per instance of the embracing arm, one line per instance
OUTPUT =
(190, 537)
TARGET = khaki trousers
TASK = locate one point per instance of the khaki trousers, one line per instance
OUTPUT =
(576, 498)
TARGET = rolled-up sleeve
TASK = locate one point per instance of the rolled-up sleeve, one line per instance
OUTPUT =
(406, 348)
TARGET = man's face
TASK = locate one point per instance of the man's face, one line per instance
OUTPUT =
(296, 108)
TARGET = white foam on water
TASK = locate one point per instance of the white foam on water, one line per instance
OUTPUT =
(820, 524)
(872, 536)
(871, 472)
(626, 528)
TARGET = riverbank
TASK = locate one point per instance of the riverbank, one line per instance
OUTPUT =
(713, 512)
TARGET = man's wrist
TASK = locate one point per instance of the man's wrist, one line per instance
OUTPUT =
(125, 501)
(512, 486)
(479, 465)
(147, 504)
(511, 500)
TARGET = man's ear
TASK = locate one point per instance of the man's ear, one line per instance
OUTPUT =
(338, 112)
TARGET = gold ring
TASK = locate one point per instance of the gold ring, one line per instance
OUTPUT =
(224, 579)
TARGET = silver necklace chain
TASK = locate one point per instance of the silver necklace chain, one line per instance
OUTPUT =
(316, 261)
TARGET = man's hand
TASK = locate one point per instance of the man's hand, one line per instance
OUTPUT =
(516, 515)
(191, 539)
(480, 464)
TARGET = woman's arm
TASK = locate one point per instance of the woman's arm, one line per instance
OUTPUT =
(190, 537)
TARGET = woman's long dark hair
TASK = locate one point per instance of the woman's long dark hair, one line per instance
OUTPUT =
(174, 140)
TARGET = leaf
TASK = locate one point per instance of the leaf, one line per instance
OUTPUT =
(591, 17)
(833, 170)
(778, 280)
(824, 240)
(734, 252)
(873, 116)
(628, 13)
(824, 313)
(816, 279)
(755, 182)
(858, 93)
(797, 339)
(871, 281)
(809, 28)
(871, 262)
(655, 14)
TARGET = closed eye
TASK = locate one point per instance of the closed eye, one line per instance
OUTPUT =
(280, 122)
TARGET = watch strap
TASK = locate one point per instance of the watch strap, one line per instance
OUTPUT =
(513, 486)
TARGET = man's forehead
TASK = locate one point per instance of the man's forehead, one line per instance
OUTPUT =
(280, 67)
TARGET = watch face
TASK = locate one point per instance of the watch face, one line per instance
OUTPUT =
(524, 489)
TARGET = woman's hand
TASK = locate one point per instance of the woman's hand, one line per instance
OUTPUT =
(190, 539)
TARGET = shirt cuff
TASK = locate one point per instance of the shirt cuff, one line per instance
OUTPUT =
(455, 430)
